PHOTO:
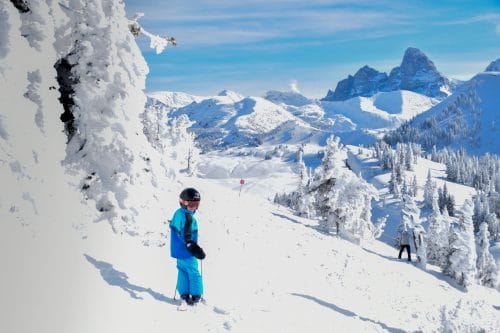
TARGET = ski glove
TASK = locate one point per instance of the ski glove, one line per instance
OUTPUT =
(195, 250)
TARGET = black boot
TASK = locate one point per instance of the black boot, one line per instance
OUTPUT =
(195, 299)
(187, 298)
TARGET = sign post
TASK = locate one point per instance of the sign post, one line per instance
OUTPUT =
(242, 182)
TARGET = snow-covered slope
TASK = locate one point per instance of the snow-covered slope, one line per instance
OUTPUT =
(174, 99)
(290, 98)
(364, 164)
(468, 118)
(229, 119)
(266, 271)
(383, 110)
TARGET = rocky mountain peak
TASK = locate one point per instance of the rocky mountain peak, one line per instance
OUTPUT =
(416, 73)
(365, 82)
(494, 66)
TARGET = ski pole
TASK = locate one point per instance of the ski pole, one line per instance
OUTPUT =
(201, 274)
(175, 292)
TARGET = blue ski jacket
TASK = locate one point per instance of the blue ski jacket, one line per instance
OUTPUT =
(181, 232)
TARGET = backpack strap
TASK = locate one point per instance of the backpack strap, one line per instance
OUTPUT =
(187, 228)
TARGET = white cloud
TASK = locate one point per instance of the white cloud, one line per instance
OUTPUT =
(498, 29)
(294, 86)
(208, 22)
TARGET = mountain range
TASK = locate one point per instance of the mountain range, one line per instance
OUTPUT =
(416, 73)
(362, 109)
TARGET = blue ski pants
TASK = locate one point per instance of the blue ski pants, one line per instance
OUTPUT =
(188, 278)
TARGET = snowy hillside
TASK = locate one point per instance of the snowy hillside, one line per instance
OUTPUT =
(229, 119)
(173, 99)
(362, 162)
(468, 118)
(383, 110)
(252, 284)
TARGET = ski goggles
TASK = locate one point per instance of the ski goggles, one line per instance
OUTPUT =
(191, 205)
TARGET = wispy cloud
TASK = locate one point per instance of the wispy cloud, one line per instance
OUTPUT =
(213, 23)
(498, 29)
(487, 17)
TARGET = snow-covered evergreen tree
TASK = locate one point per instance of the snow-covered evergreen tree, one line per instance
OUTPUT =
(493, 225)
(420, 242)
(393, 183)
(186, 153)
(304, 202)
(155, 126)
(461, 259)
(379, 227)
(342, 199)
(414, 186)
(438, 235)
(430, 188)
(410, 216)
(487, 271)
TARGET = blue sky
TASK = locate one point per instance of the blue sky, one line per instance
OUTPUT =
(257, 45)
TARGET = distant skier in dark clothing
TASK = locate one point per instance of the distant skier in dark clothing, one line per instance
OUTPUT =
(184, 247)
(404, 242)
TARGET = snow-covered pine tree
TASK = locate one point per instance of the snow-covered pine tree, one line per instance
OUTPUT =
(430, 188)
(155, 126)
(414, 186)
(479, 212)
(186, 153)
(343, 200)
(493, 225)
(400, 173)
(350, 203)
(442, 196)
(438, 235)
(324, 179)
(409, 158)
(405, 189)
(487, 271)
(461, 259)
(101, 74)
(393, 183)
(410, 216)
(420, 242)
(302, 171)
(304, 203)
(450, 205)
(379, 227)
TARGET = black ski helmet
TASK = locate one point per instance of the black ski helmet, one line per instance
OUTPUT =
(190, 194)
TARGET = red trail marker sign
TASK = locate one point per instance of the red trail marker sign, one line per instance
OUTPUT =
(242, 182)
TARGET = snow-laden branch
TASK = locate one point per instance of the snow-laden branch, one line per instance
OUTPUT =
(155, 42)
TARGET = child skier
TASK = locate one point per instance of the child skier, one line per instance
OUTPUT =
(184, 247)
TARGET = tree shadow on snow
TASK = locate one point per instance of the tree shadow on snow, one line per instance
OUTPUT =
(120, 279)
(348, 313)
(395, 258)
(438, 275)
(315, 228)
